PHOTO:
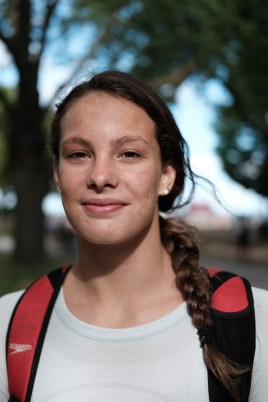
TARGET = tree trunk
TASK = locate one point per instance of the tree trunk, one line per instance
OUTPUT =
(28, 213)
(28, 166)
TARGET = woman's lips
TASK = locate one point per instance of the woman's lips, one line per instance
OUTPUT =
(103, 206)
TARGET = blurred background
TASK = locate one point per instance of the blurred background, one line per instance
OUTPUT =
(207, 59)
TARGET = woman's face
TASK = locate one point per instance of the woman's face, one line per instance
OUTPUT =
(109, 170)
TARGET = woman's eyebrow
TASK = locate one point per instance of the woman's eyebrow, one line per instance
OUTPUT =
(129, 139)
(77, 140)
(126, 139)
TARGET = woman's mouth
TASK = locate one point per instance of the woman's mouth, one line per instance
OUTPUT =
(103, 206)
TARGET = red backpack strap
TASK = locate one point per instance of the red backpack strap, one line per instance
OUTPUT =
(232, 309)
(229, 292)
(26, 333)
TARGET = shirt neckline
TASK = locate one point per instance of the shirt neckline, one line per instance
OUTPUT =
(118, 334)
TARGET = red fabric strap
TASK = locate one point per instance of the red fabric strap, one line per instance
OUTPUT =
(231, 296)
(23, 338)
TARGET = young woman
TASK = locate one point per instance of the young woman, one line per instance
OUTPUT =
(125, 324)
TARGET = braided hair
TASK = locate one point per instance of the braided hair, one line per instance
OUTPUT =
(177, 237)
(194, 284)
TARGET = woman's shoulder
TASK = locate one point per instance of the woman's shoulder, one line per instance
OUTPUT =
(11, 297)
(260, 297)
(7, 304)
(259, 387)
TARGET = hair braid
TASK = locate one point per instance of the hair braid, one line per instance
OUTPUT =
(193, 282)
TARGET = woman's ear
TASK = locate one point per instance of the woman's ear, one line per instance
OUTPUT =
(56, 176)
(167, 180)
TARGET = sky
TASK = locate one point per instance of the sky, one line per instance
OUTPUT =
(194, 113)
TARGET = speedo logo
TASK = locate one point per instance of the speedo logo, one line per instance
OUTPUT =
(18, 348)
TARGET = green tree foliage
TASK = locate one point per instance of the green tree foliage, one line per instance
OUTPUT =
(163, 42)
(167, 42)
(227, 41)
(243, 125)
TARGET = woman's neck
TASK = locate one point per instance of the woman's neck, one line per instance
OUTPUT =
(121, 285)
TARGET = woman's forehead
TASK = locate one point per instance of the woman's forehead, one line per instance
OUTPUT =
(99, 99)
(102, 111)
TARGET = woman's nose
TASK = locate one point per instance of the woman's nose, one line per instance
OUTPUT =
(102, 174)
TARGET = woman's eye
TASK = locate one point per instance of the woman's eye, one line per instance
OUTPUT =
(130, 155)
(77, 155)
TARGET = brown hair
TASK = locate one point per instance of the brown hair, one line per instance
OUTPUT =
(192, 281)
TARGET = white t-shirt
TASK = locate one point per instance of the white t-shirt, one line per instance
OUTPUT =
(156, 362)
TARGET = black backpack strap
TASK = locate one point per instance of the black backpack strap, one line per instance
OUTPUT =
(234, 320)
(26, 333)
